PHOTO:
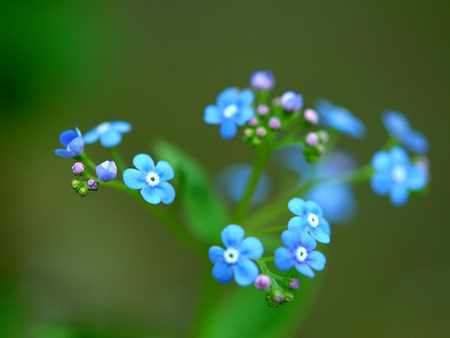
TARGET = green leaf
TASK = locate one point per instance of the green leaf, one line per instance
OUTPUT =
(204, 211)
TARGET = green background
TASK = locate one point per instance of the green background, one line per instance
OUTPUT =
(102, 263)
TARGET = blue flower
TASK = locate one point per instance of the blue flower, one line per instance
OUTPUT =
(109, 133)
(233, 180)
(106, 171)
(232, 108)
(262, 80)
(73, 141)
(150, 179)
(398, 126)
(396, 175)
(309, 218)
(299, 253)
(291, 101)
(236, 259)
(339, 119)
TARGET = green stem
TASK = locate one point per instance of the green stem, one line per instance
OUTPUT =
(260, 161)
(207, 305)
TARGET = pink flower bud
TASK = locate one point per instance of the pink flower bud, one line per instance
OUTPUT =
(262, 282)
(262, 110)
(253, 122)
(78, 168)
(274, 123)
(92, 184)
(261, 131)
(311, 116)
(312, 139)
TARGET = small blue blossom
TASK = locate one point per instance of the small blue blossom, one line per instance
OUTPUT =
(339, 119)
(396, 175)
(109, 133)
(151, 179)
(299, 253)
(236, 259)
(232, 108)
(73, 141)
(398, 126)
(262, 80)
(106, 171)
(309, 219)
(291, 101)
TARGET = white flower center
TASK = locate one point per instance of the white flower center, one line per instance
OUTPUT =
(230, 111)
(313, 220)
(399, 174)
(231, 256)
(103, 127)
(152, 179)
(301, 254)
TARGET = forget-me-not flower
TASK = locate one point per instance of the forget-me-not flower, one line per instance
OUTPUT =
(309, 219)
(398, 126)
(339, 119)
(235, 260)
(151, 179)
(396, 175)
(73, 141)
(109, 133)
(106, 171)
(232, 108)
(299, 253)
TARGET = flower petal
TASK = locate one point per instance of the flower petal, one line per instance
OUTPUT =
(416, 142)
(324, 226)
(245, 272)
(66, 137)
(243, 116)
(298, 207)
(76, 145)
(291, 238)
(216, 254)
(396, 123)
(381, 183)
(134, 179)
(150, 195)
(251, 247)
(417, 178)
(232, 236)
(222, 272)
(320, 236)
(283, 259)
(91, 136)
(164, 171)
(227, 97)
(298, 223)
(304, 269)
(228, 129)
(307, 241)
(316, 260)
(381, 161)
(314, 208)
(65, 153)
(245, 98)
(144, 162)
(121, 126)
(166, 192)
(212, 115)
(399, 195)
(110, 138)
(399, 156)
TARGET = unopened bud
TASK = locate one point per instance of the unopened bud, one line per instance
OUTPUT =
(274, 123)
(92, 185)
(293, 283)
(84, 191)
(323, 136)
(261, 131)
(312, 139)
(78, 168)
(288, 296)
(311, 116)
(253, 122)
(262, 109)
(76, 184)
(277, 296)
(262, 282)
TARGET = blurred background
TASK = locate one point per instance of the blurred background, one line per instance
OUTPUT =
(102, 264)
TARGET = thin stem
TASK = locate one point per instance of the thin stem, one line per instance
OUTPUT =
(260, 161)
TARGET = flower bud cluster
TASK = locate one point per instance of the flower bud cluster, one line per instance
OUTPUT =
(80, 186)
(275, 295)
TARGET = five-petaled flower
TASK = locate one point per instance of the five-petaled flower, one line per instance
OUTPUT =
(299, 253)
(150, 179)
(309, 219)
(109, 133)
(398, 126)
(396, 175)
(232, 108)
(73, 141)
(235, 260)
(340, 119)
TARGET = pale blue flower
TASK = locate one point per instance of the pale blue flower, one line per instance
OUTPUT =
(73, 141)
(109, 133)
